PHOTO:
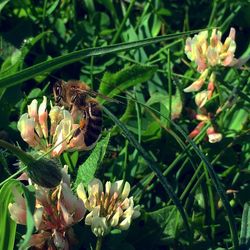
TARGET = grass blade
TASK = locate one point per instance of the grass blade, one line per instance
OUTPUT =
(154, 167)
(76, 56)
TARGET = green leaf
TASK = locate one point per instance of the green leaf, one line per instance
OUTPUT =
(245, 227)
(7, 225)
(60, 61)
(2, 4)
(238, 119)
(52, 7)
(114, 83)
(163, 99)
(166, 219)
(30, 209)
(86, 171)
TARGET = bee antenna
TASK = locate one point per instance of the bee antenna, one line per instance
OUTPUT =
(56, 78)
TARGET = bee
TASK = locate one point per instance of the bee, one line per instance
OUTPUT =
(79, 99)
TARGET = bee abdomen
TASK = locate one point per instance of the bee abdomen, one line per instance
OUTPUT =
(94, 126)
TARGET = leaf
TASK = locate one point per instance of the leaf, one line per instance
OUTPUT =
(2, 4)
(7, 225)
(60, 61)
(164, 100)
(52, 7)
(86, 171)
(167, 219)
(238, 120)
(245, 227)
(30, 223)
(114, 83)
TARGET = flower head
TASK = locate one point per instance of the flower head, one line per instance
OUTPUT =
(49, 131)
(213, 52)
(56, 211)
(108, 209)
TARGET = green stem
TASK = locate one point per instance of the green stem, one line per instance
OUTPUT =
(13, 176)
(119, 31)
(24, 157)
(169, 87)
(98, 243)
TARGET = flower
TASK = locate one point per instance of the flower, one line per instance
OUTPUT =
(109, 209)
(213, 136)
(56, 210)
(208, 54)
(195, 86)
(56, 138)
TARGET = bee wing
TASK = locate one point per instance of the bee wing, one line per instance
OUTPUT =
(95, 94)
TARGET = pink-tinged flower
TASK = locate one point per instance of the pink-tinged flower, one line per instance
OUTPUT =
(203, 96)
(56, 211)
(213, 136)
(26, 126)
(196, 130)
(43, 116)
(53, 131)
(209, 54)
(196, 48)
(108, 209)
(18, 209)
(214, 52)
(195, 86)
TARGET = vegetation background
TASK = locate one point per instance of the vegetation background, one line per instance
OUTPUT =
(147, 80)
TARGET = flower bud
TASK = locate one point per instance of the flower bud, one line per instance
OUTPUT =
(213, 136)
(45, 172)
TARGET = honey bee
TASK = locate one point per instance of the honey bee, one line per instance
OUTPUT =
(78, 98)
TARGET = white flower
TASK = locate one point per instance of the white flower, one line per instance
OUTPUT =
(110, 208)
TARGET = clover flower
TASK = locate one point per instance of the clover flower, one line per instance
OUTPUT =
(207, 54)
(56, 210)
(60, 136)
(110, 208)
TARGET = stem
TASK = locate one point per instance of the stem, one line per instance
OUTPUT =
(119, 31)
(24, 157)
(13, 176)
(98, 243)
(169, 88)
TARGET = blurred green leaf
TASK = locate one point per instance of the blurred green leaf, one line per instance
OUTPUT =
(2, 4)
(53, 7)
(7, 225)
(86, 171)
(245, 227)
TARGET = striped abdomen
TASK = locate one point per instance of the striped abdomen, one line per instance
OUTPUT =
(94, 125)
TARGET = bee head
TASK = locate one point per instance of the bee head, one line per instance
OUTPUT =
(58, 91)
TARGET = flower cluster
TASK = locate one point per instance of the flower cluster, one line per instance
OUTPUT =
(208, 53)
(60, 137)
(109, 209)
(56, 211)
